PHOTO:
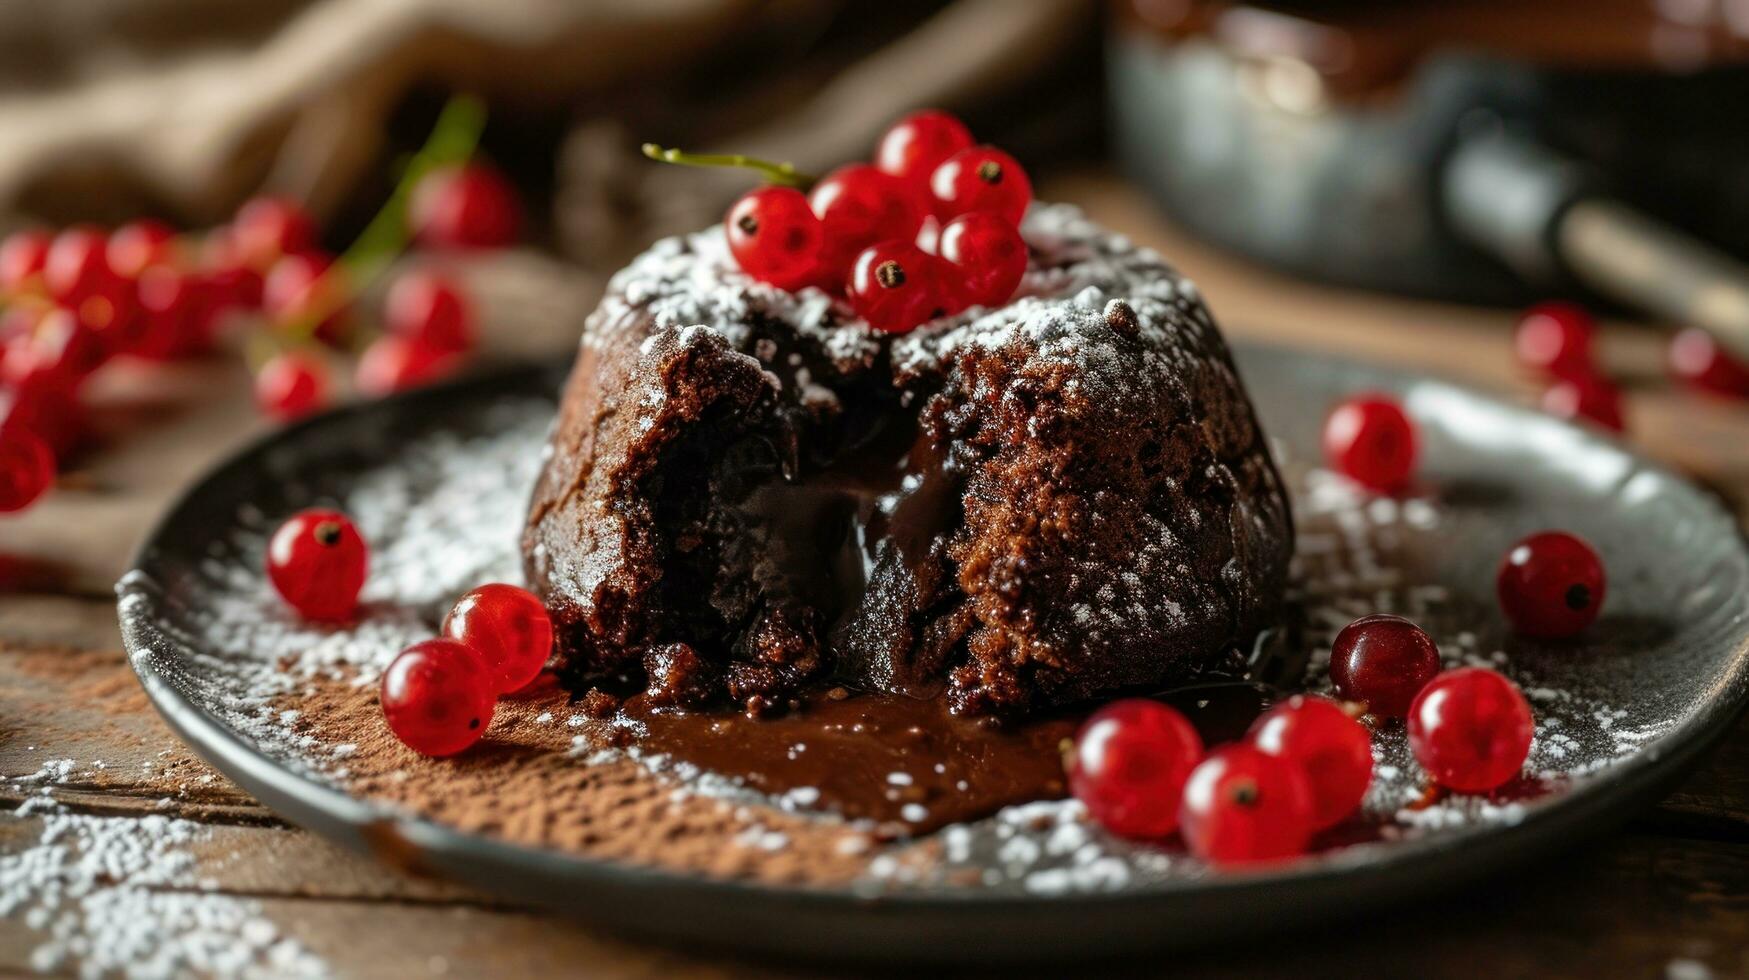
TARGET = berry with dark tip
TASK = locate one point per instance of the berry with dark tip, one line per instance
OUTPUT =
(438, 697)
(317, 562)
(981, 178)
(775, 237)
(1551, 585)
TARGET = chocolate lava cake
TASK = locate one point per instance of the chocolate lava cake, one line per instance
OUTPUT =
(748, 494)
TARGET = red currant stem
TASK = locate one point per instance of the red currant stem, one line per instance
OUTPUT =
(453, 139)
(784, 173)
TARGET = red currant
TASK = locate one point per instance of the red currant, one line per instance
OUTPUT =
(307, 289)
(393, 363)
(1129, 764)
(431, 311)
(1590, 399)
(1551, 585)
(317, 561)
(1696, 359)
(981, 178)
(60, 352)
(177, 311)
(1370, 440)
(1555, 338)
(920, 142)
(1333, 750)
(465, 207)
(897, 286)
(510, 629)
(134, 246)
(438, 697)
(858, 206)
(775, 237)
(291, 385)
(988, 254)
(1471, 729)
(267, 229)
(1242, 805)
(27, 469)
(77, 275)
(22, 256)
(1384, 661)
(46, 410)
(235, 283)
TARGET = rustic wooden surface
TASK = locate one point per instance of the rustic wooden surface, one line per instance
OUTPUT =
(1668, 895)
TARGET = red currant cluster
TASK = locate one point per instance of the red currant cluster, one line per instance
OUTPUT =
(929, 229)
(438, 695)
(77, 299)
(1303, 768)
(1140, 769)
(1555, 342)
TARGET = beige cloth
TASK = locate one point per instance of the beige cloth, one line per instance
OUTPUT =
(111, 108)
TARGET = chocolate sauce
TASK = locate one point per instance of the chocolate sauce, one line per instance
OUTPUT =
(904, 764)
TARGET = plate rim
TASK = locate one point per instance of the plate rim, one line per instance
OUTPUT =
(1605, 798)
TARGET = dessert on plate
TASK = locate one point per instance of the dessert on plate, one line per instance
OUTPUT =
(750, 492)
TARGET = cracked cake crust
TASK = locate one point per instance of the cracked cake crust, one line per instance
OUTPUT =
(1015, 508)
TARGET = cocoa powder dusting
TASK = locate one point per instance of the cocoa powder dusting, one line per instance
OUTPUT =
(536, 779)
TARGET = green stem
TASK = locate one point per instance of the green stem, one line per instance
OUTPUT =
(453, 139)
(784, 173)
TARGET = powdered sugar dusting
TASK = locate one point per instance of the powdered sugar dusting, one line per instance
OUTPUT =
(119, 896)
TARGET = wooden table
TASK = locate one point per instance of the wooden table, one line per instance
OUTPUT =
(1669, 895)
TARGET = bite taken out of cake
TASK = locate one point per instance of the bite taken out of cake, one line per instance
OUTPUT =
(750, 494)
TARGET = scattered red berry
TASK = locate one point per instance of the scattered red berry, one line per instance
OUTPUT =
(1471, 729)
(317, 562)
(1242, 805)
(1697, 360)
(307, 290)
(393, 363)
(859, 206)
(919, 143)
(1555, 339)
(1384, 661)
(27, 469)
(1551, 585)
(981, 178)
(267, 229)
(988, 254)
(139, 244)
(1589, 399)
(438, 697)
(22, 256)
(1370, 440)
(775, 237)
(1128, 766)
(291, 385)
(1333, 750)
(897, 286)
(431, 311)
(509, 628)
(465, 207)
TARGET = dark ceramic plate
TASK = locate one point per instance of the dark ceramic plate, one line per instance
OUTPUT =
(436, 477)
